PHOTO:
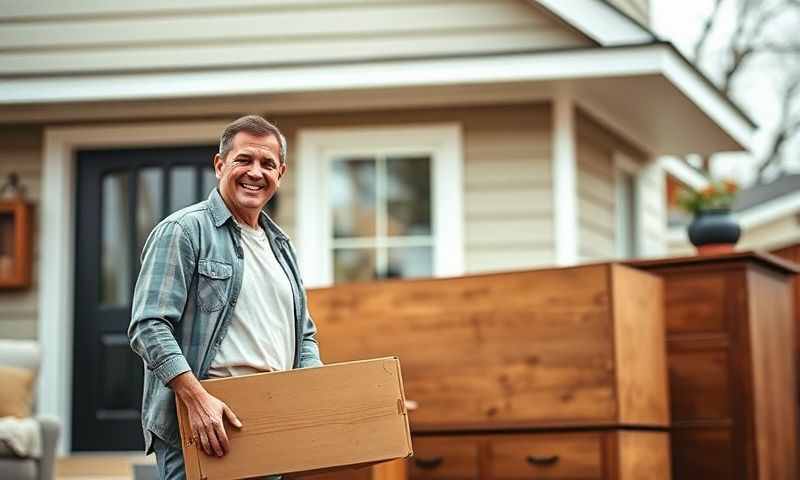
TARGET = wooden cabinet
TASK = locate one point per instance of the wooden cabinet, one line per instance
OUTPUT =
(605, 454)
(730, 338)
(15, 244)
(535, 352)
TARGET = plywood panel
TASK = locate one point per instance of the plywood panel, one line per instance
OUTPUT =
(640, 347)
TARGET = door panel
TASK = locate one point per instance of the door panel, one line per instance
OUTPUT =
(122, 194)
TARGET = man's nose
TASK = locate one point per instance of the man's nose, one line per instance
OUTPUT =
(254, 170)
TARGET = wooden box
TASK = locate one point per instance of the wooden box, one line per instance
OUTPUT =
(730, 339)
(15, 244)
(306, 420)
(553, 348)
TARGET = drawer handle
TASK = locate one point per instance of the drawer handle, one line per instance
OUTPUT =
(542, 461)
(428, 463)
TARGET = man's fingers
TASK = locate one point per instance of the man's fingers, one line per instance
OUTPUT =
(222, 436)
(212, 438)
(204, 441)
(232, 417)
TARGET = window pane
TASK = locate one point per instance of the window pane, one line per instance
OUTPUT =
(182, 181)
(410, 262)
(209, 182)
(115, 247)
(353, 186)
(149, 205)
(352, 265)
(409, 195)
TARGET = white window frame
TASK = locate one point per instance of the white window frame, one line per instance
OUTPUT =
(625, 165)
(316, 147)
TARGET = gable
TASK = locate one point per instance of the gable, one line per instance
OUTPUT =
(118, 36)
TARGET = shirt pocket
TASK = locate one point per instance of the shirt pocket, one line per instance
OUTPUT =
(212, 284)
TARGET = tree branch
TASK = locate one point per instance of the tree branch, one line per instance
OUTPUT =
(707, 27)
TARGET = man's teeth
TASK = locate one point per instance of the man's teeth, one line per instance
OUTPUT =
(251, 187)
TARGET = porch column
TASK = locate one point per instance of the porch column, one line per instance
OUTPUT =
(565, 182)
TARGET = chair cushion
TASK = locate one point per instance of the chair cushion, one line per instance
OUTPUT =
(16, 396)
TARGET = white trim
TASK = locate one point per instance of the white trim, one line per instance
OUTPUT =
(565, 182)
(625, 165)
(56, 245)
(707, 98)
(600, 21)
(683, 172)
(315, 146)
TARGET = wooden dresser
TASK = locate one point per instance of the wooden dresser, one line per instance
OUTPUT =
(554, 373)
(730, 337)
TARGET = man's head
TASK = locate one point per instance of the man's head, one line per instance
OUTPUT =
(249, 166)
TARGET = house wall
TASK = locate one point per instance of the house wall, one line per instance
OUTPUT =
(597, 149)
(22, 147)
(507, 179)
(117, 35)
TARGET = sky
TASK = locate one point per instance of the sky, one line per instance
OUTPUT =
(681, 22)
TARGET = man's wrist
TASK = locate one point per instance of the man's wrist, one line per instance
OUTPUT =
(187, 387)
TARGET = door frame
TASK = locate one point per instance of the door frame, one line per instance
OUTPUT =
(57, 242)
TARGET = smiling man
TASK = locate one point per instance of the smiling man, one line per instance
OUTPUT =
(219, 294)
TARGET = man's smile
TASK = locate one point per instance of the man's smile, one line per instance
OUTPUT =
(251, 186)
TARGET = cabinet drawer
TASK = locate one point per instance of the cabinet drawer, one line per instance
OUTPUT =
(557, 456)
(444, 458)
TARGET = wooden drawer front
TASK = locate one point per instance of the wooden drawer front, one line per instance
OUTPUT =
(444, 458)
(564, 456)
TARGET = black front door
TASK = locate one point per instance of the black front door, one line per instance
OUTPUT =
(122, 194)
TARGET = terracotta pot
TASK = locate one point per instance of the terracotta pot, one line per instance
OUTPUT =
(714, 231)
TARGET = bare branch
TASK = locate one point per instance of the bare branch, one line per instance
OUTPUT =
(707, 27)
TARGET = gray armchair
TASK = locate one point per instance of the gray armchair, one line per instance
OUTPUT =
(25, 354)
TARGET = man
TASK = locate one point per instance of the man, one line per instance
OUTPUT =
(219, 294)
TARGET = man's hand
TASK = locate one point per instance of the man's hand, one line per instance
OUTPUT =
(206, 414)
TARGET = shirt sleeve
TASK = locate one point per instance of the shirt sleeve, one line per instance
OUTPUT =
(309, 350)
(168, 265)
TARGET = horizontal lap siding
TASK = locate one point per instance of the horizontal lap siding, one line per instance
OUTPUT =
(115, 35)
(507, 193)
(22, 155)
(596, 197)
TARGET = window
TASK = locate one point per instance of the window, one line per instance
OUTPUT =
(379, 203)
(627, 203)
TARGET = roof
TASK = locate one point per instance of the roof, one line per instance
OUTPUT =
(765, 192)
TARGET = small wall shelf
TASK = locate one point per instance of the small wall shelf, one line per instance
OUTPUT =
(15, 244)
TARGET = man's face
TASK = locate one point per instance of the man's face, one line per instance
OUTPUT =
(250, 174)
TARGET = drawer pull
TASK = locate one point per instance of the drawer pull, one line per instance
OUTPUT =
(428, 463)
(542, 461)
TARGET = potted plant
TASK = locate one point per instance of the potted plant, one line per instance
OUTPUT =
(713, 229)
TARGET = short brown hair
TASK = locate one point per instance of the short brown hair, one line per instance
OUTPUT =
(254, 125)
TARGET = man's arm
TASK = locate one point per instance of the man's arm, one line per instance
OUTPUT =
(168, 264)
(309, 350)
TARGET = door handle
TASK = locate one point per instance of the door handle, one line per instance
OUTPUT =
(428, 463)
(542, 461)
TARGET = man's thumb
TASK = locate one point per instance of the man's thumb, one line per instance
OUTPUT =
(232, 417)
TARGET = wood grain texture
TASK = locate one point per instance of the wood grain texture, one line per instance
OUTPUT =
(640, 347)
(345, 414)
(554, 456)
(774, 389)
(643, 455)
(732, 380)
(445, 458)
(493, 351)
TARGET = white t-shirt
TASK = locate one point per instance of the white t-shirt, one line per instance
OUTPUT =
(261, 335)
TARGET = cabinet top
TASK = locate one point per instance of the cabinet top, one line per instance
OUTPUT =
(762, 258)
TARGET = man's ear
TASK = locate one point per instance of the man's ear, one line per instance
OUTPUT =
(218, 161)
(282, 171)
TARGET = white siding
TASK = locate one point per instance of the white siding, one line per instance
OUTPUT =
(97, 36)
(22, 154)
(653, 205)
(507, 180)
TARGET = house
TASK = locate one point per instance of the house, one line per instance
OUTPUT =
(768, 213)
(426, 138)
